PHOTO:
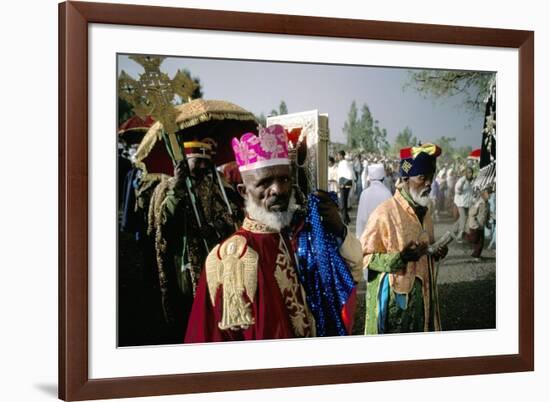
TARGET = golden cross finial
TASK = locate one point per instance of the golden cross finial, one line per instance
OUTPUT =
(153, 95)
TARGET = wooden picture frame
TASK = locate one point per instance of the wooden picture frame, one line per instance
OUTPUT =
(74, 380)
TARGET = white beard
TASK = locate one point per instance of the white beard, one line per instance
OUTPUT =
(422, 200)
(275, 220)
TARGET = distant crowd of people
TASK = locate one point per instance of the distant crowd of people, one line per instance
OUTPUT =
(370, 179)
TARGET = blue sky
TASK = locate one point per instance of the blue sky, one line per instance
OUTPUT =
(259, 87)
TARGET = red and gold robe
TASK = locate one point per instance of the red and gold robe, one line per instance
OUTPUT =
(249, 288)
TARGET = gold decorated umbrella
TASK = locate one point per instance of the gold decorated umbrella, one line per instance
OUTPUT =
(199, 111)
(215, 120)
(199, 119)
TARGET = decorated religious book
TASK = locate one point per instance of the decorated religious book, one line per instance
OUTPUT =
(443, 241)
(308, 136)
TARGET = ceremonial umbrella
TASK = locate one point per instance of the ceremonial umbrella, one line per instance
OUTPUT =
(214, 120)
(203, 120)
(152, 156)
(133, 129)
(475, 154)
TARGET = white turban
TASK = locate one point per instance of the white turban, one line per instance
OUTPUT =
(376, 171)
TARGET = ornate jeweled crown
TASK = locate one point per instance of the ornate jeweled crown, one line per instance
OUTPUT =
(268, 148)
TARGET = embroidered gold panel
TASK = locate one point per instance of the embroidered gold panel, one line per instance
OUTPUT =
(236, 271)
(286, 278)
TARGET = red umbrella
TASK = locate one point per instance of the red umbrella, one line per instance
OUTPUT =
(133, 129)
(475, 154)
(152, 156)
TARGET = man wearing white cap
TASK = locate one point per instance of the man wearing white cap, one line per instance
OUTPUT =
(371, 197)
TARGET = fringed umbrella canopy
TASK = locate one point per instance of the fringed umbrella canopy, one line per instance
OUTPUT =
(217, 120)
(199, 119)
(152, 155)
(200, 110)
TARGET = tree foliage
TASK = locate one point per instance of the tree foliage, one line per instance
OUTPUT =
(351, 126)
(125, 110)
(363, 131)
(450, 152)
(197, 93)
(380, 139)
(404, 139)
(282, 108)
(475, 86)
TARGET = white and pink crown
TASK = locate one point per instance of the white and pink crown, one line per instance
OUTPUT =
(269, 148)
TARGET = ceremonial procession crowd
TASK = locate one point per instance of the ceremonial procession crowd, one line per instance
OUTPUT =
(247, 255)
(452, 193)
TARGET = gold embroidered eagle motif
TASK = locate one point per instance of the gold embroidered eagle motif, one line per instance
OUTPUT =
(233, 265)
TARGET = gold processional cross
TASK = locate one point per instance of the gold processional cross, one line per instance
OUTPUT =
(153, 95)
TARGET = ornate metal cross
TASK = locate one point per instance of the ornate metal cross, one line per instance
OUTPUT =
(154, 95)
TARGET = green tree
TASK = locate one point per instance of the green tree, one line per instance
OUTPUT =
(404, 139)
(473, 85)
(365, 131)
(446, 145)
(380, 139)
(125, 110)
(351, 126)
(450, 152)
(462, 152)
(282, 108)
(197, 93)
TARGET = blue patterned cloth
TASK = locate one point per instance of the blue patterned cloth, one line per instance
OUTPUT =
(323, 272)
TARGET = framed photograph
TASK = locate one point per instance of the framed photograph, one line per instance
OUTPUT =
(322, 81)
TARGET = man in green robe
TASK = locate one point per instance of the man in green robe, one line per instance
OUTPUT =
(402, 276)
(181, 245)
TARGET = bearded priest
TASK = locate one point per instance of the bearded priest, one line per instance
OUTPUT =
(250, 287)
(401, 286)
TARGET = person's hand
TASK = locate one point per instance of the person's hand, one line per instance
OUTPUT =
(328, 210)
(441, 253)
(179, 174)
(413, 251)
